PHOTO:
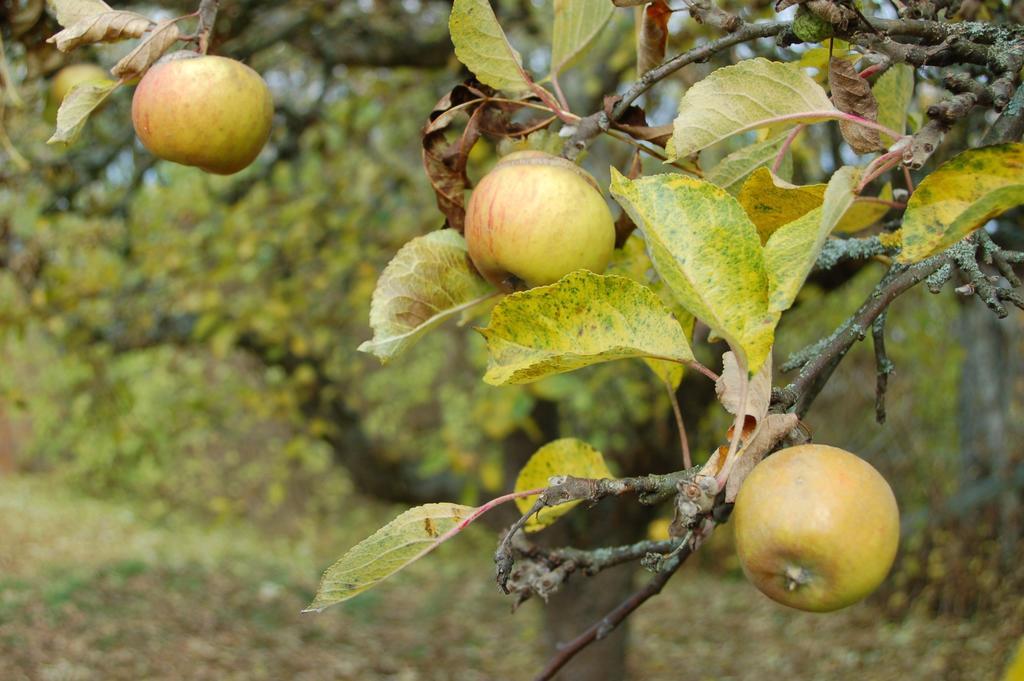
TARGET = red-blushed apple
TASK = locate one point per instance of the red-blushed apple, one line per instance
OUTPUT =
(817, 527)
(536, 217)
(205, 111)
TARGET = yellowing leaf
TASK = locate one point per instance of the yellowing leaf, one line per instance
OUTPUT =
(706, 250)
(894, 91)
(582, 319)
(481, 45)
(79, 103)
(404, 540)
(752, 94)
(771, 203)
(429, 280)
(1015, 672)
(865, 212)
(104, 27)
(962, 195)
(576, 25)
(632, 261)
(667, 372)
(792, 250)
(567, 456)
(730, 172)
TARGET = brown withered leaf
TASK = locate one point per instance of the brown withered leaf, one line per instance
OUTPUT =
(107, 27)
(852, 94)
(729, 389)
(773, 429)
(69, 12)
(763, 439)
(652, 36)
(148, 51)
(634, 122)
(444, 162)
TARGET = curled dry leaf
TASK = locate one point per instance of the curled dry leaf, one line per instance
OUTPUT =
(444, 162)
(773, 430)
(634, 121)
(148, 51)
(729, 388)
(69, 12)
(852, 94)
(652, 36)
(98, 28)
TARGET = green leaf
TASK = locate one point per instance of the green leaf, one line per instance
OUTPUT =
(771, 202)
(731, 171)
(429, 280)
(582, 319)
(792, 250)
(79, 103)
(707, 251)
(962, 195)
(567, 456)
(894, 91)
(481, 45)
(752, 94)
(401, 542)
(576, 25)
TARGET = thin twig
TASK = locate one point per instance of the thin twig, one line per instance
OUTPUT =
(207, 18)
(607, 624)
(883, 365)
(683, 442)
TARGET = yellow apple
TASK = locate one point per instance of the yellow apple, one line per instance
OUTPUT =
(536, 217)
(204, 111)
(817, 528)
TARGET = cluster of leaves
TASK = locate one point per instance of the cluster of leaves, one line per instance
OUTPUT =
(736, 265)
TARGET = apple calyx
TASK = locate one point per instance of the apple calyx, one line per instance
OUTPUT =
(796, 577)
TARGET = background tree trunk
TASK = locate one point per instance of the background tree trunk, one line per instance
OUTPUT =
(988, 387)
(8, 443)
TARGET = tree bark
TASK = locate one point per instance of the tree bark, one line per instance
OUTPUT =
(585, 600)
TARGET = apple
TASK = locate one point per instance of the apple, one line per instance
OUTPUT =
(204, 111)
(536, 217)
(817, 528)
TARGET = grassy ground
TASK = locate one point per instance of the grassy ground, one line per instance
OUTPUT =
(89, 591)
